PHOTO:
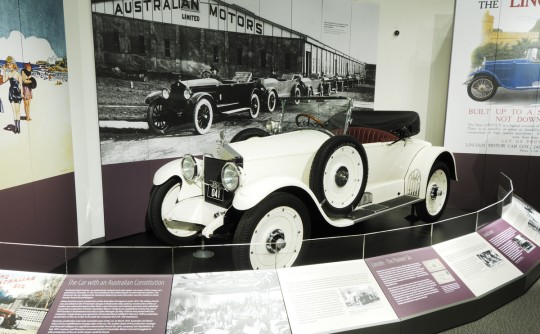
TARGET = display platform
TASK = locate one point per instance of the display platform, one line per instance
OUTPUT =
(421, 278)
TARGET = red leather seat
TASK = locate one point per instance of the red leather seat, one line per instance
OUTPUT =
(369, 135)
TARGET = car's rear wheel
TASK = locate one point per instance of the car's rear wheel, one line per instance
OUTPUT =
(203, 116)
(297, 93)
(309, 93)
(270, 234)
(339, 174)
(271, 101)
(254, 105)
(437, 192)
(482, 88)
(249, 133)
(162, 199)
(156, 119)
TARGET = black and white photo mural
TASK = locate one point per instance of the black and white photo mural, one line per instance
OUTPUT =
(235, 51)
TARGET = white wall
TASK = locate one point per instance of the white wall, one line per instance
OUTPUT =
(84, 120)
(413, 68)
(412, 74)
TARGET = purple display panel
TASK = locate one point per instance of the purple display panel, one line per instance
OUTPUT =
(514, 245)
(417, 281)
(118, 304)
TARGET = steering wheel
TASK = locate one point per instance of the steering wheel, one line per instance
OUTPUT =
(308, 120)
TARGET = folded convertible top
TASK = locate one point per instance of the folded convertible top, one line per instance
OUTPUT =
(401, 123)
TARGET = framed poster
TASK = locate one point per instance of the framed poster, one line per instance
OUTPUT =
(494, 79)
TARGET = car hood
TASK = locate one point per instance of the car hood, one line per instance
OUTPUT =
(201, 82)
(505, 61)
(295, 143)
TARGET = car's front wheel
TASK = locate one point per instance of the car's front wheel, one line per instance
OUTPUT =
(156, 119)
(162, 199)
(339, 174)
(271, 101)
(270, 234)
(482, 88)
(254, 105)
(203, 116)
(437, 192)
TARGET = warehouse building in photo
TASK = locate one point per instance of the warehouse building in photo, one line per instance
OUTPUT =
(191, 36)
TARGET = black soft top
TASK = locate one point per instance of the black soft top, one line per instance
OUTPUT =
(401, 123)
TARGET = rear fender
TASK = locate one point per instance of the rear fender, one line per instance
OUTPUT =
(418, 172)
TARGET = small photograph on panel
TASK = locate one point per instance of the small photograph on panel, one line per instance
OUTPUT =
(490, 258)
(227, 302)
(359, 296)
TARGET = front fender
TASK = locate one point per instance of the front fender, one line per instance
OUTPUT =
(483, 72)
(173, 169)
(418, 172)
(165, 172)
(156, 95)
(248, 196)
(196, 97)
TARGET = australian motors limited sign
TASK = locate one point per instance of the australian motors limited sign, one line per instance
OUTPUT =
(192, 13)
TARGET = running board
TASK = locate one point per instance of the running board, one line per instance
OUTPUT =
(234, 111)
(372, 210)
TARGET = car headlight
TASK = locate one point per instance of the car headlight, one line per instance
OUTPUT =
(187, 94)
(189, 167)
(165, 93)
(230, 176)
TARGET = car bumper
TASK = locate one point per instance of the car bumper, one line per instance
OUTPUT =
(195, 214)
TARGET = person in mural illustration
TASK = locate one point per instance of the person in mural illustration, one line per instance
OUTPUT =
(28, 83)
(1, 82)
(15, 90)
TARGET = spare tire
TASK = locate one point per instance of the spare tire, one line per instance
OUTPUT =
(249, 133)
(339, 174)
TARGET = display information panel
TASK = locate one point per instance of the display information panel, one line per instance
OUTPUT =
(227, 302)
(119, 304)
(417, 281)
(481, 267)
(523, 217)
(333, 297)
(516, 247)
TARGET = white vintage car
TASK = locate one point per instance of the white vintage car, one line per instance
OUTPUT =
(319, 158)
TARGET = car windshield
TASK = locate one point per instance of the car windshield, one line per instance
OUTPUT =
(287, 76)
(328, 113)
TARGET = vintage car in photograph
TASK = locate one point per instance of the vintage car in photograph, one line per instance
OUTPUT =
(287, 85)
(197, 100)
(318, 159)
(514, 74)
(9, 319)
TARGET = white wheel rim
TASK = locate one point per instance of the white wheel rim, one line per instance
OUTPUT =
(347, 159)
(169, 201)
(436, 192)
(482, 88)
(271, 101)
(210, 116)
(254, 113)
(289, 223)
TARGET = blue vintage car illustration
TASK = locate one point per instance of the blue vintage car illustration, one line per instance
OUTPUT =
(515, 74)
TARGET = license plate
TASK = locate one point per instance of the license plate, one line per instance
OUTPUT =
(214, 191)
